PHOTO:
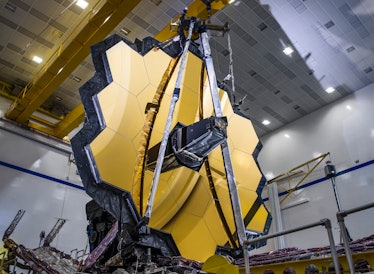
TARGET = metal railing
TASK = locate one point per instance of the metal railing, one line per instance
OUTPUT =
(344, 233)
(324, 222)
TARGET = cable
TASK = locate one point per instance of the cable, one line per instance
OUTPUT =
(231, 67)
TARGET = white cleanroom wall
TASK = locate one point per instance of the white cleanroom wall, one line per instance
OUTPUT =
(38, 175)
(346, 130)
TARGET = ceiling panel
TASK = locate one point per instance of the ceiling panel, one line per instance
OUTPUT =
(332, 40)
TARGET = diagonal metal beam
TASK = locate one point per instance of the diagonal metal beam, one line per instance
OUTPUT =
(98, 27)
(72, 120)
(294, 171)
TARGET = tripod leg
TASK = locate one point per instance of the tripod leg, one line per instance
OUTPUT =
(234, 196)
(161, 154)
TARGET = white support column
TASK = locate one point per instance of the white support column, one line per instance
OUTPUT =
(279, 242)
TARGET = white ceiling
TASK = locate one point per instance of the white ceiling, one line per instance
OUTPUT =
(333, 42)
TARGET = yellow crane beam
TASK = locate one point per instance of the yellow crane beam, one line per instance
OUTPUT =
(197, 8)
(72, 120)
(98, 27)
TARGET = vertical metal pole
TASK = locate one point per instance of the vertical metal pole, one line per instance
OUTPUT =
(336, 193)
(279, 242)
(331, 173)
(211, 74)
(225, 149)
(334, 254)
(344, 234)
(165, 137)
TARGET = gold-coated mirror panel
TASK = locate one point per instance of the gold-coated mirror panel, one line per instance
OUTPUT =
(257, 223)
(127, 74)
(184, 205)
(244, 126)
(168, 202)
(156, 61)
(116, 105)
(115, 160)
(195, 228)
(246, 172)
(216, 228)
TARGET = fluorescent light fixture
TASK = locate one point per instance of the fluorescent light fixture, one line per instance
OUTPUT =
(37, 59)
(156, 2)
(124, 30)
(10, 7)
(330, 89)
(348, 107)
(106, 19)
(57, 33)
(82, 4)
(77, 79)
(235, 2)
(269, 175)
(288, 50)
(287, 136)
(265, 122)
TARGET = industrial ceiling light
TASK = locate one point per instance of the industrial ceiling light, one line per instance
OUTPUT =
(156, 2)
(124, 30)
(82, 4)
(288, 50)
(269, 175)
(106, 19)
(348, 107)
(265, 122)
(287, 136)
(330, 89)
(77, 79)
(11, 7)
(57, 33)
(37, 59)
(235, 2)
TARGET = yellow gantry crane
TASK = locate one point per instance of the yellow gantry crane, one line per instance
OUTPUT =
(98, 24)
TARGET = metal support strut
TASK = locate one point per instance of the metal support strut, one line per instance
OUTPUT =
(14, 223)
(330, 172)
(234, 196)
(53, 233)
(165, 137)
